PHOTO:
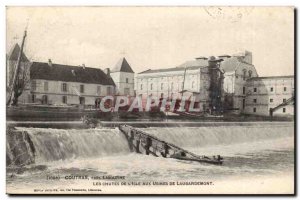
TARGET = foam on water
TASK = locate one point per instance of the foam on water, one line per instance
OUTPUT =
(62, 144)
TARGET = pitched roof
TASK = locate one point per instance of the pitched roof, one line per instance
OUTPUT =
(14, 54)
(231, 64)
(67, 73)
(122, 66)
(191, 64)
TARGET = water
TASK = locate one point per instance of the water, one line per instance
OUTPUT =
(263, 152)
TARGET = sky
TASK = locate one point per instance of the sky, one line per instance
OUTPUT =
(154, 37)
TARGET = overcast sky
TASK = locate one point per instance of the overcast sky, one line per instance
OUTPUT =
(157, 37)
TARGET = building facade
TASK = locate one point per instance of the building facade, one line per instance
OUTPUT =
(123, 76)
(238, 69)
(190, 80)
(265, 93)
(56, 84)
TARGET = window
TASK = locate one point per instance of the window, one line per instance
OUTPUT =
(244, 74)
(271, 89)
(250, 73)
(33, 98)
(64, 99)
(151, 86)
(126, 91)
(284, 100)
(193, 84)
(45, 86)
(98, 89)
(81, 88)
(161, 86)
(108, 90)
(254, 109)
(45, 99)
(271, 100)
(141, 86)
(162, 95)
(254, 100)
(172, 86)
(64, 87)
(284, 89)
(255, 89)
(81, 100)
(244, 90)
(283, 110)
(33, 85)
(127, 80)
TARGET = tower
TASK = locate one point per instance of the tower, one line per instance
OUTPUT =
(123, 76)
(11, 61)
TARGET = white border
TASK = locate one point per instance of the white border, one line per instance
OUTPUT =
(4, 3)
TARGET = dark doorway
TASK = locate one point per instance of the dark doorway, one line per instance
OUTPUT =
(81, 100)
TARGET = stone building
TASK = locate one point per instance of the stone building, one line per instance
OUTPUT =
(123, 76)
(56, 84)
(265, 93)
(238, 69)
(189, 80)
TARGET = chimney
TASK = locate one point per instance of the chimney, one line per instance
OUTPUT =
(83, 66)
(214, 62)
(248, 57)
(49, 62)
(107, 72)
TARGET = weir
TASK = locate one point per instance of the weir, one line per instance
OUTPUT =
(141, 142)
(41, 145)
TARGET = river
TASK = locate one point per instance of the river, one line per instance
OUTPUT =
(257, 159)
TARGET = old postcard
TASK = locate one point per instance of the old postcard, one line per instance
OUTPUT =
(150, 100)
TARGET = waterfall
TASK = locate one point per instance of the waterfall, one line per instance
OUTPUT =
(62, 144)
(45, 144)
(222, 135)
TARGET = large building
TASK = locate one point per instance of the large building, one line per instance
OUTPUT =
(56, 84)
(266, 93)
(192, 79)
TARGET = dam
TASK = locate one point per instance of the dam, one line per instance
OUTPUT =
(265, 149)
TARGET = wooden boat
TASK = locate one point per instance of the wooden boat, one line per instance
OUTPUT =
(141, 142)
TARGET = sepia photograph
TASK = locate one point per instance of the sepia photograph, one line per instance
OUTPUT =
(157, 100)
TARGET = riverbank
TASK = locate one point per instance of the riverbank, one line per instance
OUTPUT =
(140, 124)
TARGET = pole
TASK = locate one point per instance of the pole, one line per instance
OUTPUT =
(183, 82)
(16, 72)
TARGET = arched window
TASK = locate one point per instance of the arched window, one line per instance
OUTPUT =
(250, 73)
(244, 74)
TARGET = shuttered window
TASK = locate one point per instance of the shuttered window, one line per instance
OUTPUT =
(64, 87)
